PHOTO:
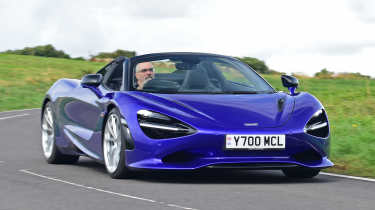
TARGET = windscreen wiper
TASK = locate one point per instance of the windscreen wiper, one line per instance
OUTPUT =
(242, 92)
(249, 92)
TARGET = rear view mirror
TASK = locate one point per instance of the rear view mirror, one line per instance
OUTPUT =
(290, 82)
(92, 80)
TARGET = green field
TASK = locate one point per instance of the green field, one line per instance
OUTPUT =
(24, 80)
(350, 104)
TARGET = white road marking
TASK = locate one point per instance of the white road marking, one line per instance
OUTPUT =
(181, 207)
(13, 116)
(349, 177)
(104, 191)
(19, 110)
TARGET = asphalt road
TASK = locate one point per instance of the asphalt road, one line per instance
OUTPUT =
(28, 182)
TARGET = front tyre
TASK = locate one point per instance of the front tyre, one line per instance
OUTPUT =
(114, 146)
(301, 172)
(49, 148)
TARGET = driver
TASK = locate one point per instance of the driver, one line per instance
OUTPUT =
(144, 72)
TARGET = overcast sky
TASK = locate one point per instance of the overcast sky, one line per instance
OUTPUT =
(289, 35)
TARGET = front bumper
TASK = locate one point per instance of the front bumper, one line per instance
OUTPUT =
(206, 149)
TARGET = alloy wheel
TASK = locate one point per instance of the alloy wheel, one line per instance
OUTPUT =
(48, 134)
(112, 143)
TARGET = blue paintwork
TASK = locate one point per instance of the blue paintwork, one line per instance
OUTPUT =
(292, 90)
(79, 112)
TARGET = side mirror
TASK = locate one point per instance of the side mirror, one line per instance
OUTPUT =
(92, 80)
(290, 82)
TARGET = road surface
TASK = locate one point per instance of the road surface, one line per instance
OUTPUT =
(28, 182)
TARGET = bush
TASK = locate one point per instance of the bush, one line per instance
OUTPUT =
(114, 54)
(352, 76)
(79, 59)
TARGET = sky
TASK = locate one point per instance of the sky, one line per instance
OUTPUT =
(290, 35)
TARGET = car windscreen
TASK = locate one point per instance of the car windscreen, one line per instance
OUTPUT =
(197, 74)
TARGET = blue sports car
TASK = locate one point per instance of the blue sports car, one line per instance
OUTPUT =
(184, 111)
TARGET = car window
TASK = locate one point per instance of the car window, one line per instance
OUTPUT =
(105, 69)
(197, 74)
(114, 80)
(232, 75)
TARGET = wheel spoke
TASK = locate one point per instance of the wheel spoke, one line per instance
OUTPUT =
(48, 141)
(49, 117)
(114, 127)
(109, 140)
(116, 159)
(110, 128)
(109, 158)
(45, 126)
(45, 143)
(107, 133)
(110, 151)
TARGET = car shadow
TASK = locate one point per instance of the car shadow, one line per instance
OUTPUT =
(210, 176)
(91, 164)
(226, 177)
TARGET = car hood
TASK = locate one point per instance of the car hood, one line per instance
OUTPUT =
(231, 111)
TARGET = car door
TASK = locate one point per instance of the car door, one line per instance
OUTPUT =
(84, 111)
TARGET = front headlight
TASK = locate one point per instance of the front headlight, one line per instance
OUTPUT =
(159, 126)
(318, 125)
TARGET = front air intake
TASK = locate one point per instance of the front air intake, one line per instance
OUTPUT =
(309, 156)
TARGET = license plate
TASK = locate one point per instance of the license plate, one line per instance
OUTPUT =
(255, 142)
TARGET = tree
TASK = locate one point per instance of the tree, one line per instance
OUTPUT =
(115, 54)
(256, 64)
(324, 73)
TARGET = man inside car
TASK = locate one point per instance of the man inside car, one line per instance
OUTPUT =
(144, 72)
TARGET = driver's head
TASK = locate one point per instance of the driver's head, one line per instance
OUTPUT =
(144, 72)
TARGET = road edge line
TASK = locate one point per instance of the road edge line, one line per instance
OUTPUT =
(348, 177)
(27, 171)
(19, 110)
(14, 116)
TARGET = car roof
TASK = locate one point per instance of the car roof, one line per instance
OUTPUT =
(145, 56)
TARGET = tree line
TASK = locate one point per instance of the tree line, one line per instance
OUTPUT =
(42, 50)
(50, 51)
(325, 74)
(257, 64)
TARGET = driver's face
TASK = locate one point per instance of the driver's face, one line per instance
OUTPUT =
(145, 71)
